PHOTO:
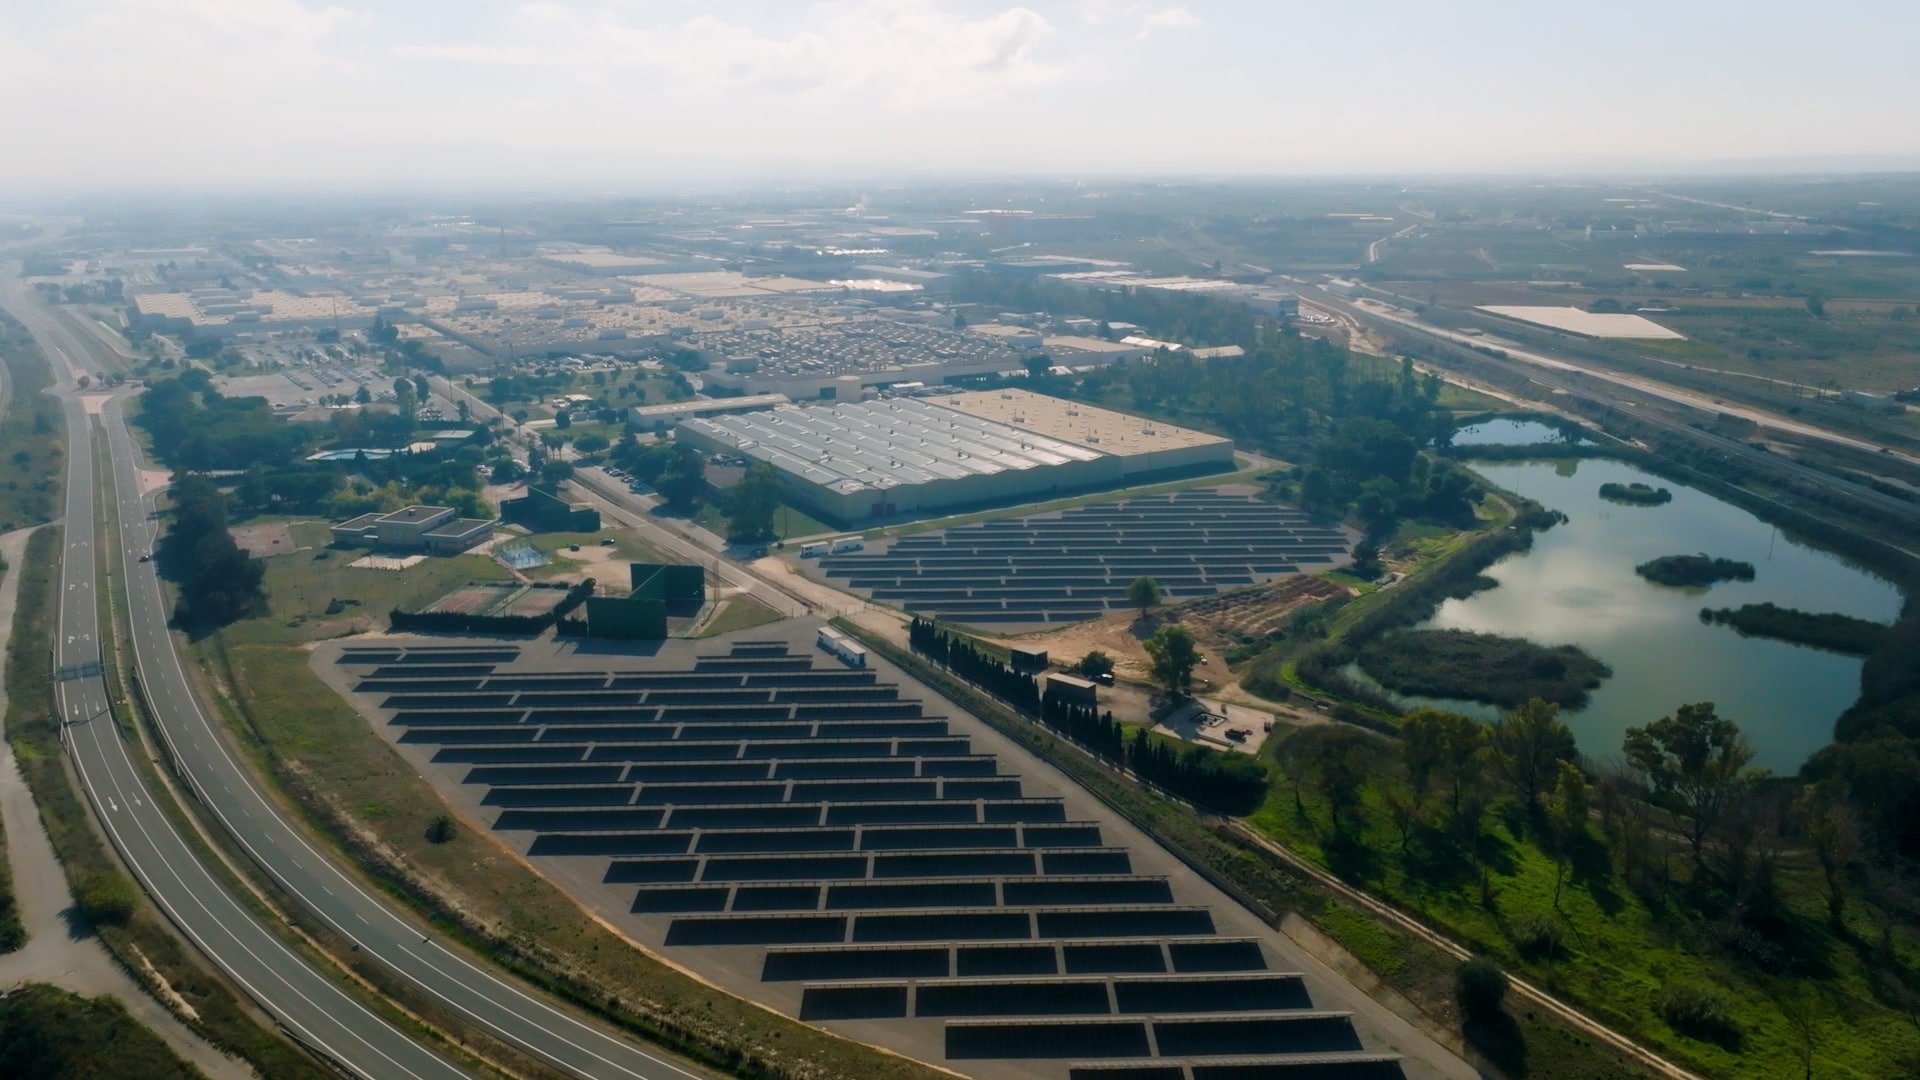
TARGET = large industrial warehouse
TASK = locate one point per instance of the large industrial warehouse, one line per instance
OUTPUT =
(856, 462)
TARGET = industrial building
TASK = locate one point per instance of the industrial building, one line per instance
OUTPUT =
(434, 530)
(543, 510)
(837, 361)
(652, 417)
(1270, 302)
(657, 592)
(221, 312)
(866, 461)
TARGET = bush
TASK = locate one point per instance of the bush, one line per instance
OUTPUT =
(105, 897)
(1698, 1013)
(441, 829)
(1481, 988)
(1538, 937)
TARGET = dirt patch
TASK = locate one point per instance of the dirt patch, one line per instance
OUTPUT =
(1262, 609)
(261, 541)
(1119, 636)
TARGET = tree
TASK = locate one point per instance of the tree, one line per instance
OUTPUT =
(1095, 664)
(403, 395)
(1481, 988)
(1366, 561)
(441, 829)
(563, 420)
(362, 395)
(1528, 744)
(1403, 810)
(590, 443)
(1338, 770)
(463, 410)
(1566, 821)
(1174, 657)
(753, 504)
(1442, 746)
(1696, 762)
(554, 471)
(421, 389)
(1143, 593)
(683, 478)
(1828, 822)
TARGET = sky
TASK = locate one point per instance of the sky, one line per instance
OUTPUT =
(636, 95)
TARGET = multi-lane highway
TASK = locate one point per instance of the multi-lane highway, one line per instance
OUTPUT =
(306, 1000)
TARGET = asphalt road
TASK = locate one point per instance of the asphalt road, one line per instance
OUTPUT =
(307, 1001)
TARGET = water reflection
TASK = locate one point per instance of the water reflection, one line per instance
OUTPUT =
(1508, 433)
(1578, 585)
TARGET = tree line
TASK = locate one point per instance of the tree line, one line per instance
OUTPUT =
(218, 582)
(1231, 783)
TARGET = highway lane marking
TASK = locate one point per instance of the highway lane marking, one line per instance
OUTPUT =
(619, 1044)
(269, 938)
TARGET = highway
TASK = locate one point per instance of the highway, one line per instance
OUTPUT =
(1607, 388)
(307, 1001)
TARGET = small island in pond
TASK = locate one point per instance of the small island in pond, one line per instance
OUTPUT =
(1693, 570)
(1635, 494)
(1497, 670)
(1821, 630)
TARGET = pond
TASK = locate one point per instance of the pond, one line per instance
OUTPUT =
(1508, 433)
(1577, 585)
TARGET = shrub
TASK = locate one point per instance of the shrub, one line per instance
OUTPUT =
(105, 897)
(441, 829)
(1698, 1013)
(1481, 988)
(1538, 937)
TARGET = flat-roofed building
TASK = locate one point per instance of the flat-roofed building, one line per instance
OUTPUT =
(865, 461)
(455, 535)
(432, 529)
(651, 417)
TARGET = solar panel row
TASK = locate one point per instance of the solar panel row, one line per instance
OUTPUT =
(868, 850)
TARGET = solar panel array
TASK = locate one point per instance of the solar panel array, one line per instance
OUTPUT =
(1069, 566)
(863, 849)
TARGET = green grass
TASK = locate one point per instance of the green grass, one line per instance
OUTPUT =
(32, 433)
(789, 521)
(356, 790)
(300, 584)
(1622, 946)
(47, 1032)
(740, 613)
(628, 545)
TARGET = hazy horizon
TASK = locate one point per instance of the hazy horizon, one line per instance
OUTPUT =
(221, 95)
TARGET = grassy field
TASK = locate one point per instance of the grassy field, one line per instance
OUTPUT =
(47, 1032)
(1622, 942)
(740, 613)
(32, 433)
(358, 791)
(628, 546)
(790, 522)
(300, 584)
(223, 1019)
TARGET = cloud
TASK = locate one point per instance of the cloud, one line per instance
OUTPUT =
(900, 54)
(1142, 19)
(1175, 18)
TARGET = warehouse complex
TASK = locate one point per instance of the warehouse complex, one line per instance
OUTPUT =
(866, 461)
